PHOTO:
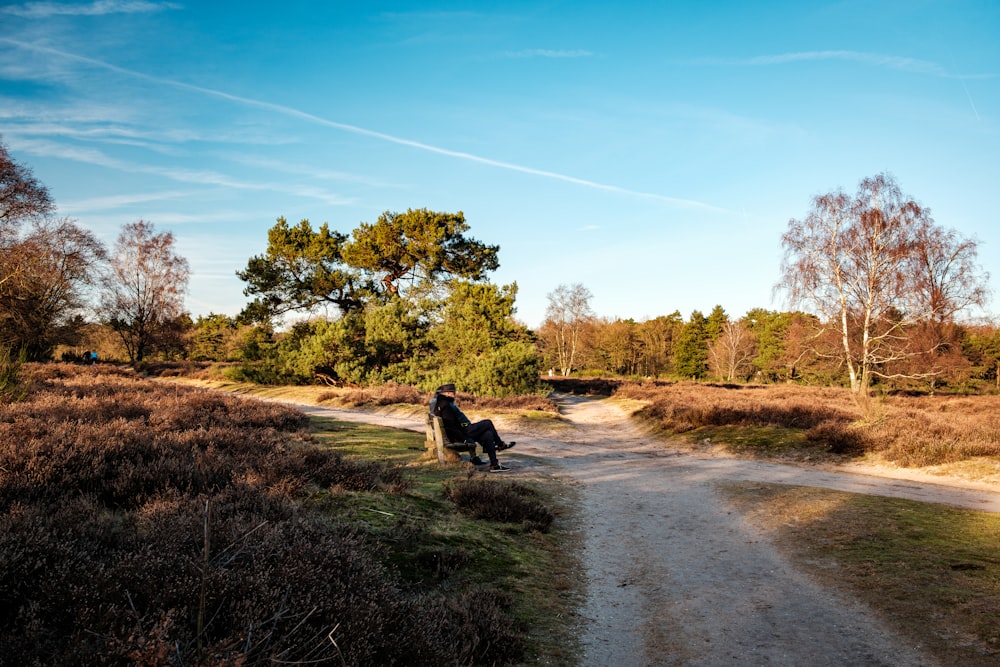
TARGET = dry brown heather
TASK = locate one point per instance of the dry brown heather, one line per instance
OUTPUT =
(908, 431)
(123, 501)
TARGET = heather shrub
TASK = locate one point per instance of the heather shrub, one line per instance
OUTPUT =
(385, 394)
(519, 402)
(479, 626)
(931, 430)
(143, 523)
(90, 588)
(838, 437)
(508, 502)
(907, 430)
(685, 406)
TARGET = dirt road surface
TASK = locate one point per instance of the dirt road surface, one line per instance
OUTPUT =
(675, 577)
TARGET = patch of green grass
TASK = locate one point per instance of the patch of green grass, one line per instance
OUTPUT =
(368, 441)
(933, 571)
(432, 544)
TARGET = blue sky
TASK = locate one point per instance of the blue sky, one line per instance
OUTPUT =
(653, 152)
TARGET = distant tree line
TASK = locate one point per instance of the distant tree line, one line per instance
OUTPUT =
(767, 346)
(882, 282)
(407, 299)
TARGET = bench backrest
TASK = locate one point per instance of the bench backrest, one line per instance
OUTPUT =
(437, 434)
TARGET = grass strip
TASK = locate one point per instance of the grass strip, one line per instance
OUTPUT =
(433, 545)
(932, 571)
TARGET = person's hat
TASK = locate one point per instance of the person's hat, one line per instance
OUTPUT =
(446, 387)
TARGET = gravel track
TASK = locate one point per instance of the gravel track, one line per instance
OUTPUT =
(674, 576)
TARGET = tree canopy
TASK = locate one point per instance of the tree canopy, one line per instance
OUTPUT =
(46, 266)
(300, 270)
(47, 270)
(876, 264)
(144, 291)
(419, 246)
(565, 317)
(304, 268)
(22, 197)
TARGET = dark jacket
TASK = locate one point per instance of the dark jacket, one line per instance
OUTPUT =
(456, 424)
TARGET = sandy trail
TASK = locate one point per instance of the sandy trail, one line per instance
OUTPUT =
(675, 577)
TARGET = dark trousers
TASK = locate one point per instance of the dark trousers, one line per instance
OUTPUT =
(486, 435)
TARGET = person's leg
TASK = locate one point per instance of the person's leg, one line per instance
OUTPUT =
(484, 433)
(487, 428)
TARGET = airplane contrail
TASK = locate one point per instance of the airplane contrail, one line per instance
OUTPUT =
(296, 113)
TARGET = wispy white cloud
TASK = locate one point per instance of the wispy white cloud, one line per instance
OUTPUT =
(173, 218)
(353, 129)
(120, 201)
(87, 125)
(900, 63)
(40, 10)
(192, 176)
(300, 170)
(68, 128)
(549, 53)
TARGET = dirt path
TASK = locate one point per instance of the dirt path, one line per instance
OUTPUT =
(674, 577)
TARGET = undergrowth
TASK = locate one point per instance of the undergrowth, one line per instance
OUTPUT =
(493, 500)
(909, 431)
(145, 523)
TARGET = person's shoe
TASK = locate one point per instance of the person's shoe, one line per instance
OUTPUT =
(476, 461)
(499, 467)
(506, 445)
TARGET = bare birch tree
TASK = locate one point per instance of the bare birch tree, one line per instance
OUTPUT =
(568, 312)
(144, 290)
(856, 261)
(733, 352)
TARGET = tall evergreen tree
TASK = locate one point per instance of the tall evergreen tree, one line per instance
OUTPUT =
(691, 353)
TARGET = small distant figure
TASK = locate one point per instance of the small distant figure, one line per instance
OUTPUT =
(89, 358)
(551, 372)
(459, 428)
(93, 358)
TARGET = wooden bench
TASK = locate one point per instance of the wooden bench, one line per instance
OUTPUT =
(439, 445)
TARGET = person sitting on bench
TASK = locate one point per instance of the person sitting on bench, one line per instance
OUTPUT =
(459, 428)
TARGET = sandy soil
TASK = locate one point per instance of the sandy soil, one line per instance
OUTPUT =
(675, 577)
